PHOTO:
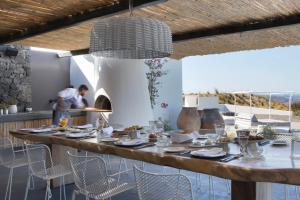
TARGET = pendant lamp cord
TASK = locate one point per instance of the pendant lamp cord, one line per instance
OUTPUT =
(131, 7)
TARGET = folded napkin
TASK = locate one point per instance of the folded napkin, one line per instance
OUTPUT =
(77, 135)
(208, 152)
(108, 131)
(130, 142)
(180, 137)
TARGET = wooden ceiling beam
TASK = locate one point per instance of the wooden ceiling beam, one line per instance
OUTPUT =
(251, 25)
(66, 22)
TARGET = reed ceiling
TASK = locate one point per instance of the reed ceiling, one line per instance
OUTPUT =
(18, 17)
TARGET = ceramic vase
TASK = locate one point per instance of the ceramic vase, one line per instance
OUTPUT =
(188, 120)
(12, 109)
(210, 117)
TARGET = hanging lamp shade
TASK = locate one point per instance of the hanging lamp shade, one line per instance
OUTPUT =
(131, 37)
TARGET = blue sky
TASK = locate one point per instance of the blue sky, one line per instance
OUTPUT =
(276, 69)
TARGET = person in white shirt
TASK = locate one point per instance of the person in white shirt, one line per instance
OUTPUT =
(67, 99)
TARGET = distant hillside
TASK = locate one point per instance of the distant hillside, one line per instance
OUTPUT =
(285, 98)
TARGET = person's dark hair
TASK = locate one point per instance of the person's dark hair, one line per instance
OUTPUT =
(83, 87)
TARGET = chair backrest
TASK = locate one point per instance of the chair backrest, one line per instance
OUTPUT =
(89, 172)
(152, 186)
(39, 159)
(7, 154)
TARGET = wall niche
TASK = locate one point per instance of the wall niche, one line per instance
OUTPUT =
(15, 81)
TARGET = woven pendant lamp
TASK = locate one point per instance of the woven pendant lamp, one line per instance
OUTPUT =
(131, 38)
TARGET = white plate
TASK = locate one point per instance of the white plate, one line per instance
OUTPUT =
(129, 143)
(77, 135)
(202, 146)
(41, 130)
(86, 126)
(109, 139)
(205, 153)
(174, 149)
(26, 129)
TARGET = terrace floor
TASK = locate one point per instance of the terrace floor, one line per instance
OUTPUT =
(200, 191)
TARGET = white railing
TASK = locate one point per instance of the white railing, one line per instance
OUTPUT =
(250, 93)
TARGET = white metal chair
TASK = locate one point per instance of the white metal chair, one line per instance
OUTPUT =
(153, 186)
(41, 165)
(91, 178)
(11, 159)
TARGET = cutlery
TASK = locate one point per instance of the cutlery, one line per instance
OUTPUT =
(145, 145)
(184, 152)
(230, 158)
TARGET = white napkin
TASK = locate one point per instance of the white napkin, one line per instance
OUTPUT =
(130, 142)
(77, 135)
(108, 131)
(180, 137)
(208, 152)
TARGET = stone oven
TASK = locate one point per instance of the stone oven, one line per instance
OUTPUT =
(102, 102)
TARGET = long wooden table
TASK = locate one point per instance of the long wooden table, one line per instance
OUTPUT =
(276, 167)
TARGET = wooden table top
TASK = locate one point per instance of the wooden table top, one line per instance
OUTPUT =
(277, 166)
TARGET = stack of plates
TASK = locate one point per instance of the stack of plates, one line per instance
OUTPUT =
(209, 153)
(174, 149)
(129, 143)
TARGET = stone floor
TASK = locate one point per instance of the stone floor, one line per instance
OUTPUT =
(201, 191)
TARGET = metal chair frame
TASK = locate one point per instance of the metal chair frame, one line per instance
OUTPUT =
(174, 186)
(12, 162)
(45, 169)
(105, 188)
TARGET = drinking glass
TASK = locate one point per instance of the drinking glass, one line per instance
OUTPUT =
(163, 141)
(243, 137)
(212, 137)
(152, 125)
(220, 130)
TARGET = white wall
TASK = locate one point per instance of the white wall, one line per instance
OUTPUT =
(122, 81)
(49, 74)
(190, 100)
(125, 83)
(170, 92)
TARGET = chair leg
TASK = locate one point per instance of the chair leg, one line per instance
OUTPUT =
(48, 194)
(64, 189)
(211, 188)
(60, 192)
(286, 192)
(297, 191)
(32, 187)
(198, 181)
(73, 195)
(228, 183)
(27, 186)
(8, 183)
